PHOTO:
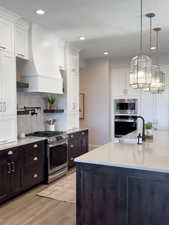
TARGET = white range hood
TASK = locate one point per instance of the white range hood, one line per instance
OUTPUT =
(42, 71)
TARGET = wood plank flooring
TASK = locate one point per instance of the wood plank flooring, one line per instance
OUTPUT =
(30, 209)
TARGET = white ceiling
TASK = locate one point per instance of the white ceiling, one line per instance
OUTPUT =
(108, 25)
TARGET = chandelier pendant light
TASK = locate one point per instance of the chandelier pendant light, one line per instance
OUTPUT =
(140, 65)
(158, 77)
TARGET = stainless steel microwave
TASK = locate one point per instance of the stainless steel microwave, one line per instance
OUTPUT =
(126, 106)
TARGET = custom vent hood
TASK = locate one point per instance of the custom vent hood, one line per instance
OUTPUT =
(42, 70)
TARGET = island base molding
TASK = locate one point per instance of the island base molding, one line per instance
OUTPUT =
(119, 196)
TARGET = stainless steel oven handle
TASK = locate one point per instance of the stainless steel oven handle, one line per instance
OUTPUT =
(128, 121)
(57, 144)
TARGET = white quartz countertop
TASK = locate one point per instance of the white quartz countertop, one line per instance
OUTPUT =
(71, 131)
(19, 142)
(153, 155)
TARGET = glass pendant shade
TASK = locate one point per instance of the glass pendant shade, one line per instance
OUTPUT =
(140, 71)
(158, 80)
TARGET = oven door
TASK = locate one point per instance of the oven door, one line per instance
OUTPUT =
(57, 157)
(123, 127)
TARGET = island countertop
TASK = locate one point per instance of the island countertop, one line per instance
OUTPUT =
(152, 155)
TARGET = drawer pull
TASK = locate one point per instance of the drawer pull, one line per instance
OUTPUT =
(72, 159)
(2, 47)
(35, 146)
(72, 146)
(72, 136)
(35, 159)
(9, 168)
(35, 175)
(13, 167)
(10, 153)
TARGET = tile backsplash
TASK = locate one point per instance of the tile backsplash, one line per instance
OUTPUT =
(27, 123)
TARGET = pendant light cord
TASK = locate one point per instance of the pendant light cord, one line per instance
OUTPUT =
(150, 32)
(141, 26)
(157, 30)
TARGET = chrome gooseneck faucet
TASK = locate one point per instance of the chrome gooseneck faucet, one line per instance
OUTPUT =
(143, 130)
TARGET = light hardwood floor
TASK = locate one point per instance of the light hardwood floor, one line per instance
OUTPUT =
(30, 209)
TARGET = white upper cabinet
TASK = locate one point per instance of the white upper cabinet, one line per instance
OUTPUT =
(6, 36)
(21, 39)
(21, 42)
(72, 69)
(7, 85)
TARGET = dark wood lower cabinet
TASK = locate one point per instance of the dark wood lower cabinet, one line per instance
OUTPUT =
(77, 145)
(4, 178)
(118, 196)
(21, 168)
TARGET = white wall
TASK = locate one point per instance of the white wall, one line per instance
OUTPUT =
(151, 107)
(94, 83)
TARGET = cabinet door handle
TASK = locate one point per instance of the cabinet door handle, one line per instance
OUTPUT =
(72, 136)
(35, 159)
(35, 146)
(22, 55)
(2, 47)
(10, 153)
(4, 106)
(72, 159)
(72, 146)
(13, 167)
(35, 175)
(9, 168)
(83, 133)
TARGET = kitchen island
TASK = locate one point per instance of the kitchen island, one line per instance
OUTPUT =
(125, 184)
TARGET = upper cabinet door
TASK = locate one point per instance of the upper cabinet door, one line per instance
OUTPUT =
(21, 42)
(6, 37)
(7, 85)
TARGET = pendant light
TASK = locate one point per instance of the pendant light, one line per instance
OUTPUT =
(150, 16)
(140, 66)
(158, 77)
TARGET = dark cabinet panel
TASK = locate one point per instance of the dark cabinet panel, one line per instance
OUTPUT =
(147, 201)
(84, 142)
(21, 168)
(99, 198)
(32, 176)
(77, 145)
(4, 177)
(120, 196)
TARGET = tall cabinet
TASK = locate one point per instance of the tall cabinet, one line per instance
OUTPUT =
(72, 70)
(8, 120)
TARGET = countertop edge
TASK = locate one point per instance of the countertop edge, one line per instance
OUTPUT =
(76, 130)
(20, 142)
(121, 166)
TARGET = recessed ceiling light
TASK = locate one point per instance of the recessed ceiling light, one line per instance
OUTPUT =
(106, 53)
(82, 38)
(40, 12)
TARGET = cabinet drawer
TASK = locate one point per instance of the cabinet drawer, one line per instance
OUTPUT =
(73, 136)
(33, 175)
(9, 153)
(34, 153)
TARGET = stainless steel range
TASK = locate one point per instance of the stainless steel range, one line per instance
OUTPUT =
(57, 153)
